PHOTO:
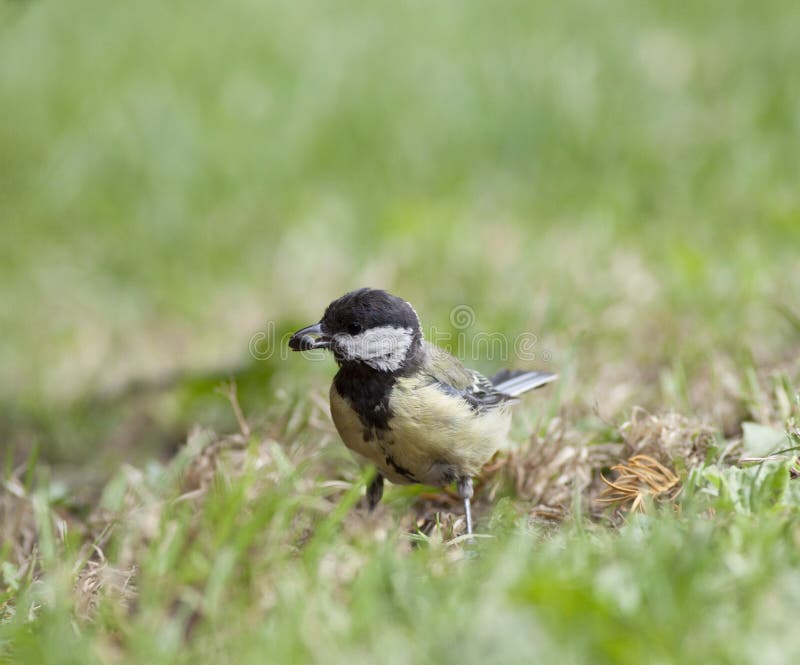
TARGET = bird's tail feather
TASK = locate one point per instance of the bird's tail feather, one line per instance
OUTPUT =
(514, 383)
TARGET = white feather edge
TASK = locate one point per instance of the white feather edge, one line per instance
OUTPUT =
(525, 382)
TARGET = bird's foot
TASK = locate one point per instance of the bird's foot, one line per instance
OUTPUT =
(465, 491)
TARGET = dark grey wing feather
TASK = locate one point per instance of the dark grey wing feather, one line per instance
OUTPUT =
(505, 375)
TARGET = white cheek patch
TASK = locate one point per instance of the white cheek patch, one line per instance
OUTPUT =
(383, 348)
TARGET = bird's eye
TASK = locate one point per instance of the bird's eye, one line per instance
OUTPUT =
(354, 328)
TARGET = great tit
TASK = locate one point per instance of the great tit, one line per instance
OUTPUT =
(406, 405)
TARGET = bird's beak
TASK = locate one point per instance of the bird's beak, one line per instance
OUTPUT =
(304, 339)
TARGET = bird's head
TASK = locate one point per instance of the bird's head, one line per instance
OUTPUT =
(367, 326)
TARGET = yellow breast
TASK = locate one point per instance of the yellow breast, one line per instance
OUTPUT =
(433, 437)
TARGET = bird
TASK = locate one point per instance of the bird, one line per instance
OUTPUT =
(405, 405)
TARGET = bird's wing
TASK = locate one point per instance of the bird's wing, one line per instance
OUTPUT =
(449, 375)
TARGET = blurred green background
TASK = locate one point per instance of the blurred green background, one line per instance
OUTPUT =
(620, 178)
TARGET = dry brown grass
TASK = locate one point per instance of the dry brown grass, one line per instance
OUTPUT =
(99, 579)
(620, 469)
(637, 480)
(18, 535)
(668, 437)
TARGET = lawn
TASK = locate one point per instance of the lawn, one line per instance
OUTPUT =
(614, 184)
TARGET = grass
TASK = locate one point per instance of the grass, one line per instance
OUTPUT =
(618, 180)
(247, 547)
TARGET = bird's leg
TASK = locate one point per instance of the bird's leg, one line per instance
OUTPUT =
(375, 492)
(464, 486)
